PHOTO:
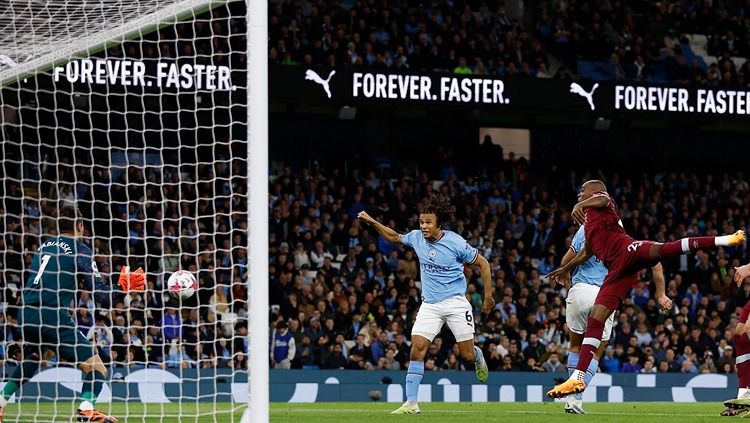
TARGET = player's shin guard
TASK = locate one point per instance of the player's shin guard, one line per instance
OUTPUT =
(413, 379)
(591, 342)
(92, 386)
(20, 375)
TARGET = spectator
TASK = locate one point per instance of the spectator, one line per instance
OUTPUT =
(535, 349)
(553, 364)
(452, 363)
(609, 362)
(336, 360)
(388, 362)
(361, 349)
(283, 346)
(632, 365)
(727, 359)
(688, 367)
(171, 325)
(648, 367)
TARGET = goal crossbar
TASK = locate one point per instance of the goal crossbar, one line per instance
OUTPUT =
(45, 53)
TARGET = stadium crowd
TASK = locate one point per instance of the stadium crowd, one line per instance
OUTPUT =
(635, 40)
(348, 299)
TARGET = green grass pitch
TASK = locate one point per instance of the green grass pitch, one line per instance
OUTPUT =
(376, 412)
(497, 412)
(203, 412)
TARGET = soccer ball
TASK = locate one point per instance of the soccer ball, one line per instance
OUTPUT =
(182, 284)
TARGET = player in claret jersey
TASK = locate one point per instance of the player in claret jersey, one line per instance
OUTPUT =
(624, 257)
(741, 339)
(48, 328)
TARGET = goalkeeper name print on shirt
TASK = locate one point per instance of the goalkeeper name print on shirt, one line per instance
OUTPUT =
(54, 271)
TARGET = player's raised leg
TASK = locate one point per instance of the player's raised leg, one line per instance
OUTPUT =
(460, 320)
(473, 354)
(673, 249)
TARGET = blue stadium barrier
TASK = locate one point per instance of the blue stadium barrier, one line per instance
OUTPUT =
(141, 385)
(223, 385)
(446, 386)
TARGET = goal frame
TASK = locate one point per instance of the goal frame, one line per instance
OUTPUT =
(257, 157)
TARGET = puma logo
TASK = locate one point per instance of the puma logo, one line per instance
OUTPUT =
(311, 75)
(577, 89)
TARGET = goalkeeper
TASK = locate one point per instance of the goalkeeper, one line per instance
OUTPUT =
(60, 263)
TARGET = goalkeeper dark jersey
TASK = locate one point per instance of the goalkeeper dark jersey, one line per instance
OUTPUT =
(58, 266)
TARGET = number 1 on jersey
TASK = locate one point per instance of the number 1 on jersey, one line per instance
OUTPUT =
(45, 260)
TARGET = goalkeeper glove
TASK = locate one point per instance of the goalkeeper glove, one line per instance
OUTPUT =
(135, 281)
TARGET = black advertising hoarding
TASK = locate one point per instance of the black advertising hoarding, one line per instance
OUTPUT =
(358, 87)
(347, 86)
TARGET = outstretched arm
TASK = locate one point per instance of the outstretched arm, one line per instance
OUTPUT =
(389, 234)
(661, 292)
(103, 292)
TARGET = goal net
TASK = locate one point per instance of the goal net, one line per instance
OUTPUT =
(136, 112)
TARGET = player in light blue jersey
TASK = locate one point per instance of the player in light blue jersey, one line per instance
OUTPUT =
(442, 255)
(586, 280)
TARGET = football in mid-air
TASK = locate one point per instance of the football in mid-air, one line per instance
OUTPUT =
(182, 284)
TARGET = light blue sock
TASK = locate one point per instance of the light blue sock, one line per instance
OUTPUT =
(478, 356)
(591, 371)
(572, 363)
(413, 379)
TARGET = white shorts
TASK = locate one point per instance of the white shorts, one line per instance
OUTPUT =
(580, 300)
(455, 311)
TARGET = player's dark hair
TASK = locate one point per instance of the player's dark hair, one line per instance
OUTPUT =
(68, 217)
(440, 207)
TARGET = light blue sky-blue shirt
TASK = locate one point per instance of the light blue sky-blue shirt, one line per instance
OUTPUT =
(441, 264)
(593, 270)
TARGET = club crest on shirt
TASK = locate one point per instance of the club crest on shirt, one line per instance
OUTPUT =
(432, 253)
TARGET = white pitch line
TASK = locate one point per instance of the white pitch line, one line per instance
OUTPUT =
(497, 412)
(359, 410)
(608, 413)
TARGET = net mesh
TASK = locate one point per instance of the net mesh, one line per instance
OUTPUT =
(148, 139)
